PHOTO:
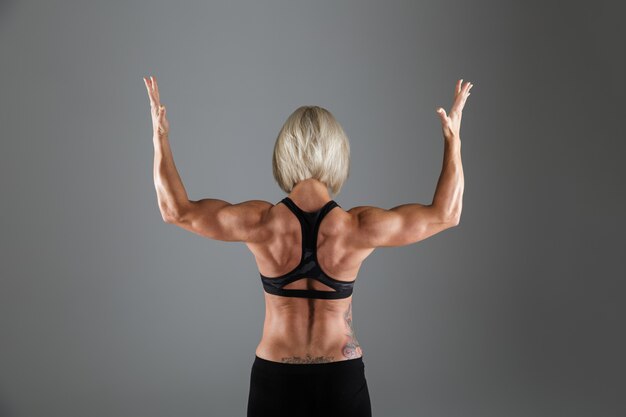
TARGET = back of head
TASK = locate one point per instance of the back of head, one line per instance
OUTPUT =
(311, 144)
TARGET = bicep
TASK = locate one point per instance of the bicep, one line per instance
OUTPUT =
(221, 220)
(398, 226)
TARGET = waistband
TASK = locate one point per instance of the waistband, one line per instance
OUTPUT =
(282, 368)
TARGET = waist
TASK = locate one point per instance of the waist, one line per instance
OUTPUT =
(281, 368)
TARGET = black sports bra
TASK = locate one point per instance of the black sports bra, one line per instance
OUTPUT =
(309, 266)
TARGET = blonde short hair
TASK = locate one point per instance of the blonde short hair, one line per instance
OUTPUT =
(311, 144)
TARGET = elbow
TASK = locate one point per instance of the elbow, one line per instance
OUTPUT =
(170, 216)
(172, 213)
(169, 219)
(449, 215)
(452, 219)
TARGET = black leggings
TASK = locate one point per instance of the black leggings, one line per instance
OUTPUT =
(308, 390)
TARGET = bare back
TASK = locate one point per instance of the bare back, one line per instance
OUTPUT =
(308, 330)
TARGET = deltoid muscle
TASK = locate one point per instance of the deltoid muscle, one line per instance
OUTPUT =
(351, 349)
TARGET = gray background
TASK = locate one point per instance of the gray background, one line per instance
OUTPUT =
(107, 311)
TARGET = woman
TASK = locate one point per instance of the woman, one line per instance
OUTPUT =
(308, 251)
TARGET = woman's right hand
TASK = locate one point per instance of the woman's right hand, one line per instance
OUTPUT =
(160, 124)
(451, 124)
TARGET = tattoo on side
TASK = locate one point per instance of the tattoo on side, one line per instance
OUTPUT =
(308, 359)
(352, 348)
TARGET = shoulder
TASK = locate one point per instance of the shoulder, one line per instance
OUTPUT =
(263, 215)
(359, 214)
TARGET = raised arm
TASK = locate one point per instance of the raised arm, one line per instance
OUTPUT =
(410, 223)
(212, 218)
(171, 193)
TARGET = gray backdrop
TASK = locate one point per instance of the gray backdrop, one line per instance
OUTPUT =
(107, 311)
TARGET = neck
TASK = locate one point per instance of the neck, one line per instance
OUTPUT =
(310, 194)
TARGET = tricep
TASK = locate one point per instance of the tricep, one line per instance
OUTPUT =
(398, 226)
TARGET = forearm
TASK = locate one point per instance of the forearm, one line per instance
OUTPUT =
(171, 193)
(449, 193)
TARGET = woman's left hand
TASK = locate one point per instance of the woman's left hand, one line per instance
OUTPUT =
(160, 125)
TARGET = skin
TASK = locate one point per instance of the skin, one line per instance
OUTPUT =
(300, 330)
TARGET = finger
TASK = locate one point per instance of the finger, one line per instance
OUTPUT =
(150, 94)
(457, 107)
(155, 93)
(463, 88)
(462, 99)
(442, 114)
(145, 81)
(457, 90)
(156, 89)
(149, 87)
(466, 93)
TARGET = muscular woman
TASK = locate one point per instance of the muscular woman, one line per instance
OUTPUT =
(308, 250)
